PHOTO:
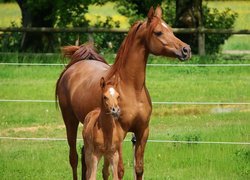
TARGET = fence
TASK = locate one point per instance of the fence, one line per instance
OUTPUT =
(166, 103)
(200, 31)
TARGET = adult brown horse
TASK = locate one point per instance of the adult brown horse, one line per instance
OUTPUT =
(78, 89)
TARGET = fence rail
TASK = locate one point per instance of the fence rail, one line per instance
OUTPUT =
(117, 30)
(200, 31)
(154, 102)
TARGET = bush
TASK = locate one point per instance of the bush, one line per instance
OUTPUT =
(217, 20)
(108, 41)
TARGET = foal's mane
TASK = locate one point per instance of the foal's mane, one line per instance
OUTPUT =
(122, 53)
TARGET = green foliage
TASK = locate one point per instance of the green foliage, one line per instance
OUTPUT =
(108, 41)
(217, 20)
(212, 19)
(10, 40)
(137, 10)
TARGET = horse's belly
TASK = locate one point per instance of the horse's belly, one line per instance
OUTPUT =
(83, 86)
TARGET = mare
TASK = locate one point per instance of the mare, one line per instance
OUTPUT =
(78, 89)
(103, 134)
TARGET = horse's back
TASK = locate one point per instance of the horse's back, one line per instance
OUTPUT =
(79, 87)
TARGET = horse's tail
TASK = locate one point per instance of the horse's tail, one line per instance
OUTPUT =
(83, 52)
(75, 54)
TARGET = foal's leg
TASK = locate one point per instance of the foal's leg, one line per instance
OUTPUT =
(141, 140)
(105, 169)
(114, 163)
(91, 160)
(120, 163)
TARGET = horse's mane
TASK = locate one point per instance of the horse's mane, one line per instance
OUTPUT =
(122, 53)
(76, 54)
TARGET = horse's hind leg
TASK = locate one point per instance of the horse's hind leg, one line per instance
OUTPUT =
(84, 167)
(71, 124)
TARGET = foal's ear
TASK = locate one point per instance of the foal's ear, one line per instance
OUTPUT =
(102, 83)
(158, 11)
(150, 14)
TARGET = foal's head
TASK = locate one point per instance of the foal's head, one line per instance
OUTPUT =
(110, 98)
(160, 39)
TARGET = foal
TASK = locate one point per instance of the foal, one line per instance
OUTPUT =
(103, 134)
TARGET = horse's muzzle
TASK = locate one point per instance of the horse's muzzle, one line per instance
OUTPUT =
(185, 53)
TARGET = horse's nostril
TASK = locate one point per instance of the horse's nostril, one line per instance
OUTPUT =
(185, 50)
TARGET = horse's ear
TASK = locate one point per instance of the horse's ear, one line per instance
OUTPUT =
(158, 11)
(150, 14)
(102, 83)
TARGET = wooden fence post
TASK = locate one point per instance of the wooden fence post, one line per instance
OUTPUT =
(201, 41)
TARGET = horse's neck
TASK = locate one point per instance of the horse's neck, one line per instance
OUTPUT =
(106, 121)
(134, 70)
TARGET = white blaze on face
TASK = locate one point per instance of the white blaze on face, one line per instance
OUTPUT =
(112, 91)
(164, 25)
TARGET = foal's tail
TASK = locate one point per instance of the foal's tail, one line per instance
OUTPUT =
(78, 53)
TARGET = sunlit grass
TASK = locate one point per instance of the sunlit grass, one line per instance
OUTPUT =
(237, 42)
(49, 160)
(241, 7)
(9, 12)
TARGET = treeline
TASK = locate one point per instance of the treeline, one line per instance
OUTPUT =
(58, 13)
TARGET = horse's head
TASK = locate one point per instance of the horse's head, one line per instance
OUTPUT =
(110, 98)
(160, 39)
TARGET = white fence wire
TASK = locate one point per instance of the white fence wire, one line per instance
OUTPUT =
(152, 65)
(126, 140)
(154, 102)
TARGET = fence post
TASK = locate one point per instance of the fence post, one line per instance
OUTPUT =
(201, 41)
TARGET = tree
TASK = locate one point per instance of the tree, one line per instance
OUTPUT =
(47, 13)
(189, 15)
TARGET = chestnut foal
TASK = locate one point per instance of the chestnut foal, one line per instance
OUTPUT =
(103, 134)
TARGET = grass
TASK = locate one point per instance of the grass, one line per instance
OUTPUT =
(9, 12)
(99, 13)
(49, 160)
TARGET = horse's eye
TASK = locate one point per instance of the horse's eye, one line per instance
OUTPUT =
(105, 98)
(158, 33)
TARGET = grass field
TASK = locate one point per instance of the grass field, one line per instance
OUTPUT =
(49, 160)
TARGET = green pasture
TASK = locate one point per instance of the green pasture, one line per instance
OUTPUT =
(20, 159)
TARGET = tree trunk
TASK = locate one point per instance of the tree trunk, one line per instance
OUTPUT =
(39, 16)
(189, 15)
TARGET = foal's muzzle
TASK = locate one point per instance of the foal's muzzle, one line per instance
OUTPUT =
(115, 112)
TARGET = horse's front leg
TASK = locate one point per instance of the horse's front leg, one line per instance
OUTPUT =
(140, 144)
